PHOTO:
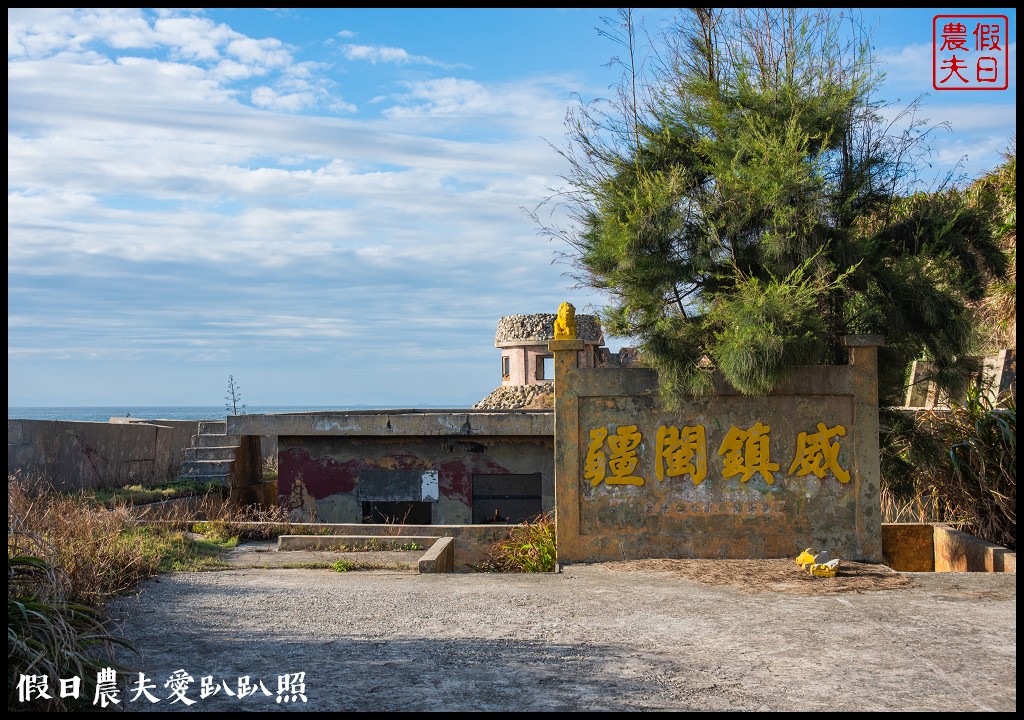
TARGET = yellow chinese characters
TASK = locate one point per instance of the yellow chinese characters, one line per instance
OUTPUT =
(596, 463)
(622, 461)
(681, 452)
(815, 454)
(748, 452)
(612, 458)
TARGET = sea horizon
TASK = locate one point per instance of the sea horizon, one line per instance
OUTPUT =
(103, 413)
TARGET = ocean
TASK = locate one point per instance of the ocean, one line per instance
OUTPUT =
(171, 412)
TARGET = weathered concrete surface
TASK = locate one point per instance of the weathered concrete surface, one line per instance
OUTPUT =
(742, 477)
(440, 558)
(956, 551)
(181, 439)
(395, 423)
(328, 479)
(91, 455)
(264, 554)
(471, 545)
(588, 639)
(998, 381)
(909, 547)
(330, 542)
(937, 547)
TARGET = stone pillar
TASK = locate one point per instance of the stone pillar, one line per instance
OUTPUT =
(864, 361)
(567, 460)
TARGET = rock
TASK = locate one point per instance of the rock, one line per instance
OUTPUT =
(540, 327)
(517, 397)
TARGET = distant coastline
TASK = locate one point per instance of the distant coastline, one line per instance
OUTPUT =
(169, 412)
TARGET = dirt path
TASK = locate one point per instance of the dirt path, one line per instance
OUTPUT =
(601, 637)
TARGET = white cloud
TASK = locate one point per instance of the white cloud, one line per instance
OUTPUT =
(382, 54)
(211, 58)
(167, 200)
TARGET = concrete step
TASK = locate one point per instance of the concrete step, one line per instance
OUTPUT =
(218, 452)
(213, 427)
(215, 440)
(206, 467)
(212, 479)
(346, 543)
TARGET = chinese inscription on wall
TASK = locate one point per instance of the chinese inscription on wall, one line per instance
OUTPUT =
(683, 452)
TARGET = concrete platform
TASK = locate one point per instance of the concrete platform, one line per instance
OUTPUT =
(265, 554)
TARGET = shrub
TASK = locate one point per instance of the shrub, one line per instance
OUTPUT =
(529, 547)
(957, 466)
(47, 633)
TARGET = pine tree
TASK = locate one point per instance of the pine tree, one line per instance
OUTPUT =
(744, 205)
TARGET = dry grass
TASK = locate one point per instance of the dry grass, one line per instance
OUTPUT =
(90, 546)
(106, 551)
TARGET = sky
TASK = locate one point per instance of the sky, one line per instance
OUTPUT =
(332, 206)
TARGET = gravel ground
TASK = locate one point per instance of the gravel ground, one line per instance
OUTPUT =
(593, 637)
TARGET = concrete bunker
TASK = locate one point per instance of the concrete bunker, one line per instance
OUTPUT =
(628, 478)
(411, 467)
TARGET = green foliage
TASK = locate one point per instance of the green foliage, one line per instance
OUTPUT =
(528, 548)
(765, 327)
(995, 194)
(957, 465)
(343, 566)
(219, 530)
(48, 633)
(138, 494)
(269, 469)
(67, 555)
(744, 205)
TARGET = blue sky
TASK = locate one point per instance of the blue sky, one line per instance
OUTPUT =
(327, 204)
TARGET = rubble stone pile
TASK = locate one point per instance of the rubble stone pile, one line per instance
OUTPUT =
(540, 327)
(516, 397)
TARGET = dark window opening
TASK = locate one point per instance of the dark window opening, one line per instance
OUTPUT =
(506, 369)
(396, 513)
(506, 498)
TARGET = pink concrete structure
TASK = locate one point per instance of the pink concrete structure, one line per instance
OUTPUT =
(523, 341)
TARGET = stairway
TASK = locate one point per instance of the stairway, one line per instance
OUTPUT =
(212, 454)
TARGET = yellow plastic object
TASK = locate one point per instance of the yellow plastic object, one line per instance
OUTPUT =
(828, 569)
(565, 322)
(805, 558)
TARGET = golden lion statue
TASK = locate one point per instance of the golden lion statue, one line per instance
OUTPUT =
(565, 323)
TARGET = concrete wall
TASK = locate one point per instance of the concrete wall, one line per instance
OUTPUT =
(90, 455)
(957, 551)
(909, 547)
(328, 478)
(937, 547)
(185, 429)
(998, 379)
(181, 439)
(730, 476)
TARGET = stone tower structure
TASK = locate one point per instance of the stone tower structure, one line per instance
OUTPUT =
(527, 367)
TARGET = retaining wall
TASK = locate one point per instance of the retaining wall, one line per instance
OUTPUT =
(91, 455)
(937, 547)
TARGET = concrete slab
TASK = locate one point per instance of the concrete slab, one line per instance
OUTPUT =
(265, 555)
